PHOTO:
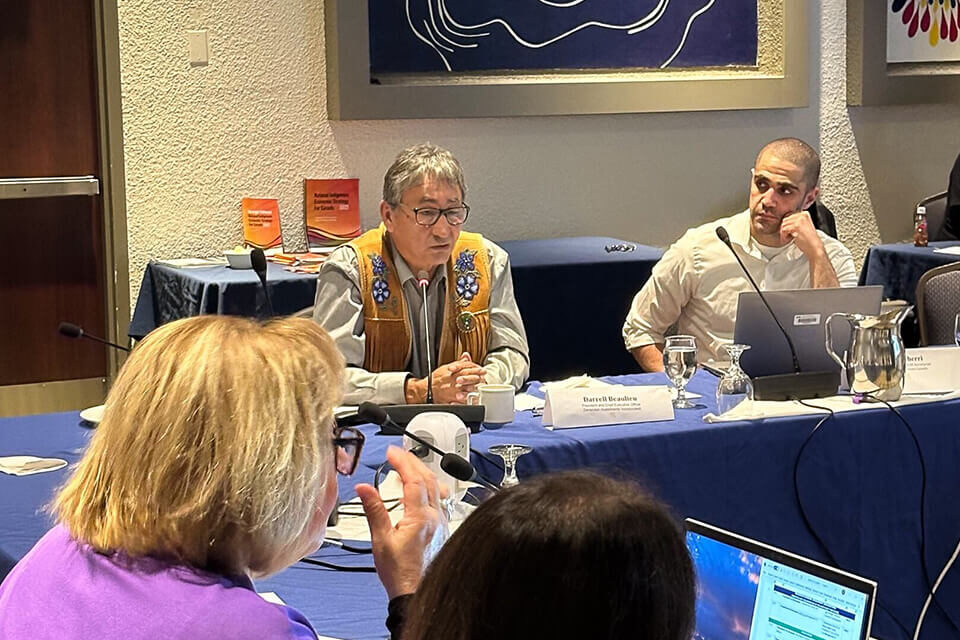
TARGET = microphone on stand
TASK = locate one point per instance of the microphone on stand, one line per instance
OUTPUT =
(459, 468)
(789, 386)
(422, 282)
(71, 330)
(258, 260)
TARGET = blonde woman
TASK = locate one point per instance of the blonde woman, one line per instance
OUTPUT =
(216, 462)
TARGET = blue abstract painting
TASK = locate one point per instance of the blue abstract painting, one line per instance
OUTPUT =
(416, 36)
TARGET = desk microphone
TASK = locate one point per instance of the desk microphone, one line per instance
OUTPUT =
(258, 260)
(374, 413)
(459, 468)
(76, 331)
(422, 281)
(789, 386)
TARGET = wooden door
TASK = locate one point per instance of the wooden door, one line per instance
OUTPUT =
(53, 265)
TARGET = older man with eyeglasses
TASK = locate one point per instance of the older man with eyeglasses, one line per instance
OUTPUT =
(370, 299)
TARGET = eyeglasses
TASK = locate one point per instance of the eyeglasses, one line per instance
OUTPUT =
(428, 216)
(348, 443)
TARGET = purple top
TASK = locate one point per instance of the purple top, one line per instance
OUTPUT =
(64, 589)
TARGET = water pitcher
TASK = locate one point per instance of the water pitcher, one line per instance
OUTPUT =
(875, 358)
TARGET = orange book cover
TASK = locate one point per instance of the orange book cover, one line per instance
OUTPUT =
(331, 211)
(261, 224)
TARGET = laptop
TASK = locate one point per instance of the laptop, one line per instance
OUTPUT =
(802, 313)
(747, 590)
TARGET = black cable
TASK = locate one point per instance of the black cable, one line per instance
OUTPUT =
(923, 507)
(493, 461)
(338, 567)
(803, 511)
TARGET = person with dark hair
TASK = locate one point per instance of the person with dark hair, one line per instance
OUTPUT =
(695, 285)
(951, 220)
(568, 555)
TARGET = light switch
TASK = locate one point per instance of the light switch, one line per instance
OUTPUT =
(198, 47)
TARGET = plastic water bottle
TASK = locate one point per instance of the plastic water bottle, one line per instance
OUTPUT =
(920, 227)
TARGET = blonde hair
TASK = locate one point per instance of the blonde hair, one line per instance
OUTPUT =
(215, 445)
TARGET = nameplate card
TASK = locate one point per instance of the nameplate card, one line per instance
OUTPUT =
(565, 408)
(932, 370)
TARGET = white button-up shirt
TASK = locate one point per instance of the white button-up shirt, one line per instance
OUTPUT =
(697, 283)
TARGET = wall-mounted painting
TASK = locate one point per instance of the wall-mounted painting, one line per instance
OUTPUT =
(545, 35)
(463, 58)
(923, 31)
(903, 52)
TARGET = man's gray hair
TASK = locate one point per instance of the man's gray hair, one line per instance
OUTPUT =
(799, 153)
(414, 164)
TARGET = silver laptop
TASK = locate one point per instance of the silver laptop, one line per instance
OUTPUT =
(747, 590)
(802, 313)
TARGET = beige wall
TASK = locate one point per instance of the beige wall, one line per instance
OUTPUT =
(254, 123)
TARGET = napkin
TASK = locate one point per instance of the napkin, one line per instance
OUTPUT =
(28, 465)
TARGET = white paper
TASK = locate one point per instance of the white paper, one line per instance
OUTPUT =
(932, 370)
(525, 402)
(953, 251)
(29, 465)
(186, 263)
(761, 409)
(565, 408)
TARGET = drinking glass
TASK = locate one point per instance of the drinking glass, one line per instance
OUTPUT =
(510, 453)
(680, 363)
(956, 330)
(735, 386)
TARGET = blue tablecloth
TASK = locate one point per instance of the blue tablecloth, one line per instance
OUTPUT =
(898, 267)
(572, 293)
(170, 293)
(859, 480)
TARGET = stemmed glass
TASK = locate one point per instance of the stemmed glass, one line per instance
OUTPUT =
(956, 330)
(510, 453)
(680, 363)
(735, 386)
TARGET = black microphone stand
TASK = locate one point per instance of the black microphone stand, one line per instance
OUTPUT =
(798, 385)
(423, 282)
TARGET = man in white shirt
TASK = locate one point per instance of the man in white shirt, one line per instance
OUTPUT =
(370, 300)
(696, 284)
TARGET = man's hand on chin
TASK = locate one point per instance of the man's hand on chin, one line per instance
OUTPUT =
(799, 227)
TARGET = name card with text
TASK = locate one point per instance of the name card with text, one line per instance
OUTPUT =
(932, 370)
(565, 408)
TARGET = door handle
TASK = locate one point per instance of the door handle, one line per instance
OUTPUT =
(48, 187)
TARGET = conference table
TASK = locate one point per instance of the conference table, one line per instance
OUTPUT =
(898, 267)
(562, 286)
(859, 479)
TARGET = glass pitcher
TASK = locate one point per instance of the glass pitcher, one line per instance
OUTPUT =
(875, 358)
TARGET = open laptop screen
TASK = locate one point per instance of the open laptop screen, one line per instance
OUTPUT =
(752, 591)
(802, 313)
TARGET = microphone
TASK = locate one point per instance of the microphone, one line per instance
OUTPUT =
(791, 386)
(258, 260)
(71, 330)
(462, 470)
(374, 413)
(725, 238)
(422, 281)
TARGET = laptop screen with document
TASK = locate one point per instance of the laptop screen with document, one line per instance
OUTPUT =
(747, 590)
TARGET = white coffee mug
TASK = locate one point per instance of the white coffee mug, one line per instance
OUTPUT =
(497, 400)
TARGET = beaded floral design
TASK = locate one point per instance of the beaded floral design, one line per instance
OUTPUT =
(468, 279)
(381, 290)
